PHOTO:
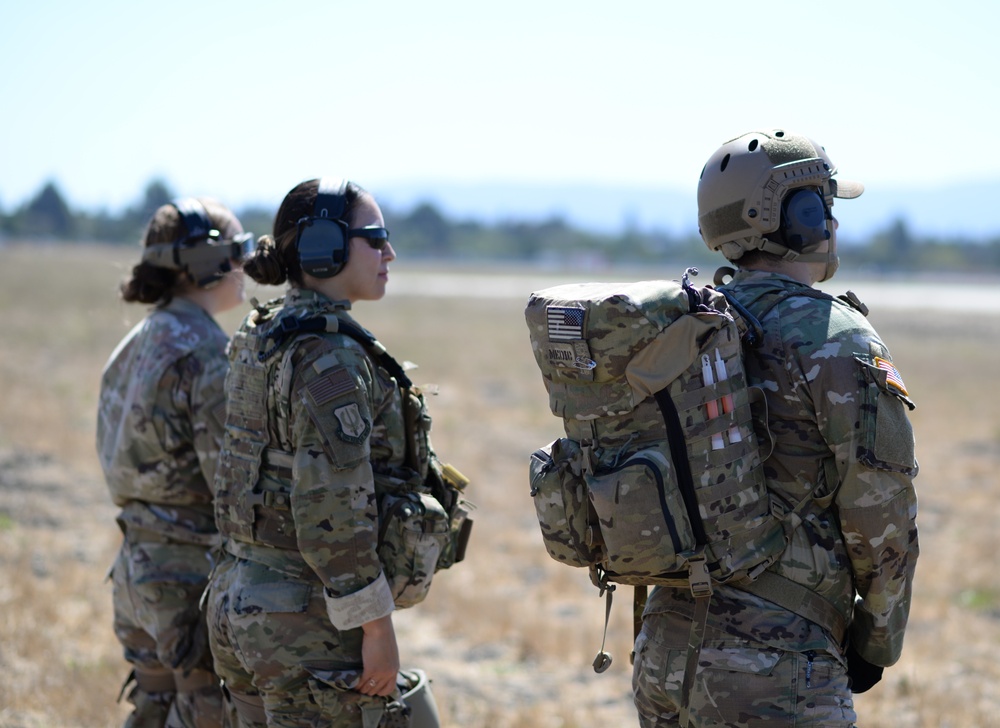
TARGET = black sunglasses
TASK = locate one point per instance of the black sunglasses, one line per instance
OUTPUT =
(241, 246)
(377, 237)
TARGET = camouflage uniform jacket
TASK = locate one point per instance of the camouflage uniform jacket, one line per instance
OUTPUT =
(335, 419)
(159, 422)
(837, 416)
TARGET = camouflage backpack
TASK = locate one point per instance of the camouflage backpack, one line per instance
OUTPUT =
(659, 478)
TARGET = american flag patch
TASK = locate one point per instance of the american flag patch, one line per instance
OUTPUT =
(331, 386)
(892, 377)
(565, 324)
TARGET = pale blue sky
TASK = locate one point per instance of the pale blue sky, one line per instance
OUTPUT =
(242, 100)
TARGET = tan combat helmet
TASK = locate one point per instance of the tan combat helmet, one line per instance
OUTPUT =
(744, 184)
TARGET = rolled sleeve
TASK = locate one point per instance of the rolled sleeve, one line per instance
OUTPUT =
(353, 610)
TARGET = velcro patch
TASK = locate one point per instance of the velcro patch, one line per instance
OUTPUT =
(569, 355)
(565, 323)
(354, 428)
(330, 386)
(892, 377)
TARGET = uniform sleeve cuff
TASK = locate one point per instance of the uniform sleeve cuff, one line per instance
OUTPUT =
(353, 610)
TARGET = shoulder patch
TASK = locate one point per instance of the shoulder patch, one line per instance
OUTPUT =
(565, 323)
(325, 362)
(354, 428)
(331, 385)
(892, 377)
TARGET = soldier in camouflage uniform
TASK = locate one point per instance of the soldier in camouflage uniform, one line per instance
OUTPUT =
(300, 609)
(837, 416)
(159, 430)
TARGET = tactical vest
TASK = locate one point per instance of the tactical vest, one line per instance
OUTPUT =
(423, 517)
(241, 486)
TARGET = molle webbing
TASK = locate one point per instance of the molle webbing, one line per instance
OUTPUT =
(246, 437)
(678, 453)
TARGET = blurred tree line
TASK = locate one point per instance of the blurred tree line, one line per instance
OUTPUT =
(424, 232)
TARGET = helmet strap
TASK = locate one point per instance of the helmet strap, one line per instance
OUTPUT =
(830, 258)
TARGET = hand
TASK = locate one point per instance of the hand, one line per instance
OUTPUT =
(380, 657)
(862, 674)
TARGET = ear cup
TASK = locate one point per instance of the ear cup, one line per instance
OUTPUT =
(322, 246)
(803, 220)
(198, 251)
(322, 238)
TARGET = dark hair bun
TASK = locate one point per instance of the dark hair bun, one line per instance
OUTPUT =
(265, 265)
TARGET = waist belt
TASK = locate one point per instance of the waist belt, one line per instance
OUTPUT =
(272, 518)
(767, 585)
(137, 534)
(286, 561)
(153, 680)
(799, 599)
(162, 680)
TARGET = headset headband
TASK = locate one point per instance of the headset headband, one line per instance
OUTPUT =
(331, 198)
(195, 219)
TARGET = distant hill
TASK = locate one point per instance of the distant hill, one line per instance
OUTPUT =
(962, 210)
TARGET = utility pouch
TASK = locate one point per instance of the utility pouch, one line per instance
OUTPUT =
(414, 530)
(565, 515)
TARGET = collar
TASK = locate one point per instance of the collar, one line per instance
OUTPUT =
(308, 298)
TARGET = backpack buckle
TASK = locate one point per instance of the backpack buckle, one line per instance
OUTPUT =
(698, 577)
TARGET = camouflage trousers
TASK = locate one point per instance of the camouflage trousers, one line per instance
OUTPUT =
(273, 641)
(737, 684)
(156, 590)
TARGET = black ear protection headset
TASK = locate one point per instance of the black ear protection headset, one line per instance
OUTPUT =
(204, 264)
(804, 216)
(322, 241)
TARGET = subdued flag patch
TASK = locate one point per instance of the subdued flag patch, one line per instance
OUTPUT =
(892, 377)
(565, 324)
(330, 386)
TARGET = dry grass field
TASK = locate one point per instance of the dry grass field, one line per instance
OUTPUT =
(508, 635)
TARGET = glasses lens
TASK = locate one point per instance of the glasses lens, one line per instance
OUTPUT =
(376, 237)
(243, 246)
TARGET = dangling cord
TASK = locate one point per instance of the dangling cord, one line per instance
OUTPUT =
(603, 660)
